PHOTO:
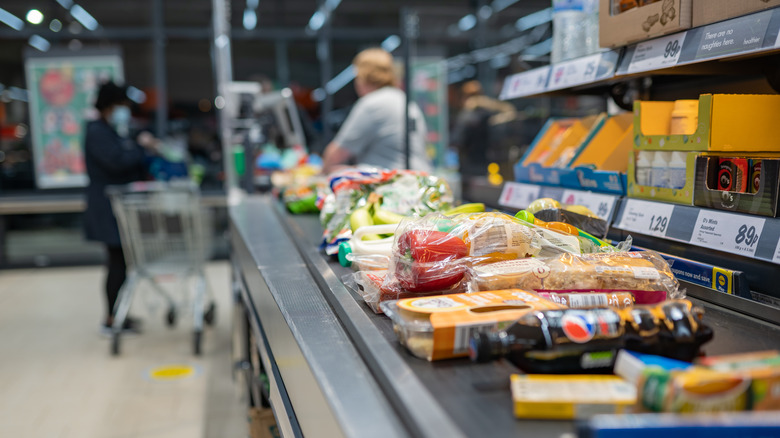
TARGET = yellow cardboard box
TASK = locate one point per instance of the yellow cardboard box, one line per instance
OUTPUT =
(609, 149)
(727, 122)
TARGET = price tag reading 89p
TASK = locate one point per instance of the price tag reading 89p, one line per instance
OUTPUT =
(734, 233)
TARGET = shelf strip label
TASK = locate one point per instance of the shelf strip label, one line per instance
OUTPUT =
(518, 195)
(733, 233)
(600, 204)
(646, 217)
(526, 83)
(657, 54)
(738, 35)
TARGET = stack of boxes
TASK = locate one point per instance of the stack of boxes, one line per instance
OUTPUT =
(718, 152)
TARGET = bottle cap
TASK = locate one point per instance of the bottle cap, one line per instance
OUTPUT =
(344, 250)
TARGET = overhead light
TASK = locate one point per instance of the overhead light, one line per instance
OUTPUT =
(11, 20)
(39, 43)
(250, 19)
(317, 20)
(55, 25)
(82, 16)
(252, 4)
(65, 3)
(136, 95)
(319, 95)
(332, 4)
(485, 12)
(391, 43)
(467, 23)
(500, 5)
(34, 16)
(341, 79)
(219, 102)
(533, 20)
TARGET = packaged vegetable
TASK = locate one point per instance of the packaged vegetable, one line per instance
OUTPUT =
(590, 224)
(645, 274)
(440, 327)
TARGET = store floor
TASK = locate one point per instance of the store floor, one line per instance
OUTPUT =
(57, 378)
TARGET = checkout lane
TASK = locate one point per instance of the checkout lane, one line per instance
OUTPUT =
(474, 399)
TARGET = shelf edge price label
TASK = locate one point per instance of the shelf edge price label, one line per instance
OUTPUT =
(644, 217)
(734, 233)
(575, 72)
(518, 195)
(658, 53)
(776, 257)
(601, 205)
(526, 83)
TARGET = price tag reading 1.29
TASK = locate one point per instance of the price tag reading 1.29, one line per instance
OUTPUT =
(734, 233)
(644, 217)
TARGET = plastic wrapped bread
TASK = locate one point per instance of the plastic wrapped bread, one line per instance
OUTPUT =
(643, 273)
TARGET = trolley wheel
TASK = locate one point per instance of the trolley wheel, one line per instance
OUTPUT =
(115, 344)
(197, 340)
(210, 315)
(170, 317)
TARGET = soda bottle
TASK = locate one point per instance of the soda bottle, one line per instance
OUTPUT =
(576, 341)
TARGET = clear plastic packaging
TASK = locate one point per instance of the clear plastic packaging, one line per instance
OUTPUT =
(436, 328)
(643, 273)
(403, 192)
(591, 225)
(433, 252)
(371, 286)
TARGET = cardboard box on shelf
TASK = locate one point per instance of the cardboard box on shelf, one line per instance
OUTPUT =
(682, 195)
(262, 423)
(765, 200)
(663, 17)
(609, 148)
(726, 122)
(711, 11)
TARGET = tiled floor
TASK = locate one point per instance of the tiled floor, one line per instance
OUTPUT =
(57, 378)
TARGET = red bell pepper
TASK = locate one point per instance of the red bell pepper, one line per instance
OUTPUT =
(424, 263)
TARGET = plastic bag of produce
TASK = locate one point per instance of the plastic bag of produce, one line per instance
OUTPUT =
(590, 224)
(644, 273)
(355, 193)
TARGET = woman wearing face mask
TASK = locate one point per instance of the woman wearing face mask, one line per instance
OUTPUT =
(111, 159)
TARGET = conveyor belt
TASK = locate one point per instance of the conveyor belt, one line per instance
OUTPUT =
(466, 398)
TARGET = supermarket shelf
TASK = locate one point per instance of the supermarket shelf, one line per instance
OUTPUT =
(750, 236)
(689, 52)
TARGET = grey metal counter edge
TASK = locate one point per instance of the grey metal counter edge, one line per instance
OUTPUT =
(330, 389)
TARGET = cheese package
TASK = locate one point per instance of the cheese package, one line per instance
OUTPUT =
(568, 397)
(644, 273)
(441, 327)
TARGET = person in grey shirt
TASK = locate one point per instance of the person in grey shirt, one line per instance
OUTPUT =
(373, 133)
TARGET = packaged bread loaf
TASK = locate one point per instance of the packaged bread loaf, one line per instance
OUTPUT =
(440, 327)
(643, 273)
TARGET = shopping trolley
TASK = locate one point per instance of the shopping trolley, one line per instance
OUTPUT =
(164, 232)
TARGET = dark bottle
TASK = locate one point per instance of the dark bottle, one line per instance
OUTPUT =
(587, 340)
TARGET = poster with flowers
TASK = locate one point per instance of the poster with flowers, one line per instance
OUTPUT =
(62, 90)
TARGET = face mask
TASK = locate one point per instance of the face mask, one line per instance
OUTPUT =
(120, 116)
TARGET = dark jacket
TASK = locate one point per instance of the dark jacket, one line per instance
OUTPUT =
(110, 160)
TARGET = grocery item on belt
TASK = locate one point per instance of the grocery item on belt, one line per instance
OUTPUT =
(372, 287)
(440, 327)
(590, 224)
(643, 273)
(586, 300)
(556, 397)
(700, 389)
(710, 425)
(428, 260)
(587, 340)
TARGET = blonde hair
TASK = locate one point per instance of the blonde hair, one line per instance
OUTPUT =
(375, 67)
